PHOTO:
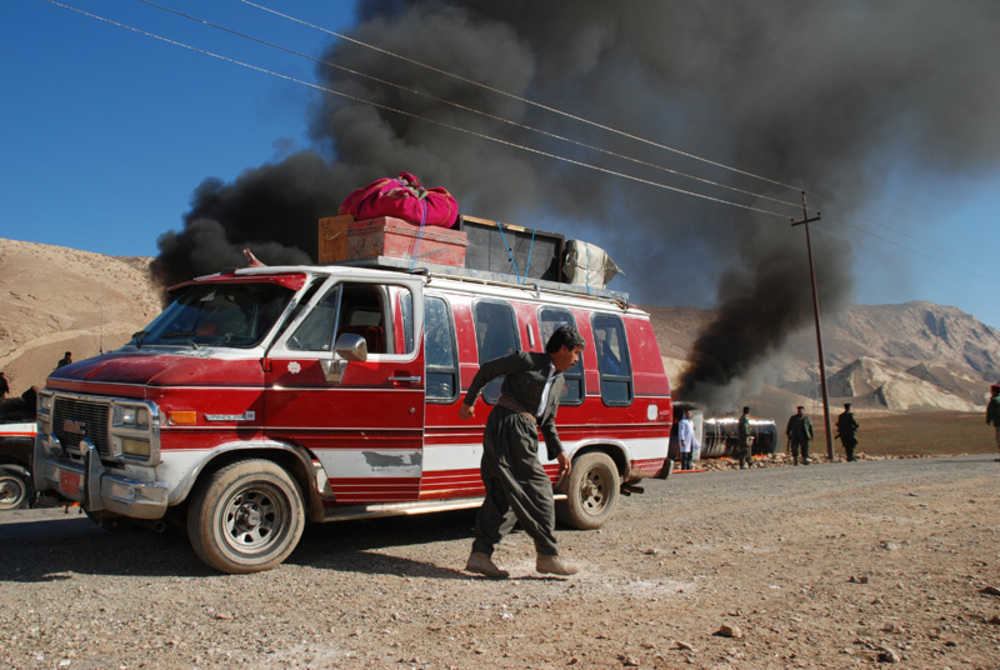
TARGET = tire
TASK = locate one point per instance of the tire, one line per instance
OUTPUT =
(15, 490)
(592, 492)
(247, 517)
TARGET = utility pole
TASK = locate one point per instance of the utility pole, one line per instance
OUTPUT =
(819, 335)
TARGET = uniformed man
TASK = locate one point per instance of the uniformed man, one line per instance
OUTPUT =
(993, 411)
(847, 431)
(799, 431)
(744, 433)
(517, 487)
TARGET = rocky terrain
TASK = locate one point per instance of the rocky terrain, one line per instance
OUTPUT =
(916, 356)
(880, 563)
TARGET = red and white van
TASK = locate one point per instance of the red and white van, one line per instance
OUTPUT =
(265, 397)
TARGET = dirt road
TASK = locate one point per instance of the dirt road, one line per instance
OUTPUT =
(827, 566)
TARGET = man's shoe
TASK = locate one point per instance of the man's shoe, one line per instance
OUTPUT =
(484, 565)
(554, 565)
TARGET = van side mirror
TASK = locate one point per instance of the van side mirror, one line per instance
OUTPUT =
(348, 347)
(352, 347)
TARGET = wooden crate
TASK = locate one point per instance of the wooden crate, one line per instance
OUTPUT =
(395, 238)
(333, 238)
(509, 249)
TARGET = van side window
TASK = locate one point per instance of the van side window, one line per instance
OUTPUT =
(351, 308)
(613, 361)
(549, 319)
(496, 336)
(441, 352)
(406, 317)
(315, 333)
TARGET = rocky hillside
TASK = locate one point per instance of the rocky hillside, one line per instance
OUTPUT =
(915, 356)
(54, 299)
(907, 357)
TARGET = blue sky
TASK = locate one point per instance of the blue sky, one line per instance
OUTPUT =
(107, 132)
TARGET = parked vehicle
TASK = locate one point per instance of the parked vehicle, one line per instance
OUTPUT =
(718, 437)
(266, 397)
(16, 444)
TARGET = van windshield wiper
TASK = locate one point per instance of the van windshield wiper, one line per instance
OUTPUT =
(178, 334)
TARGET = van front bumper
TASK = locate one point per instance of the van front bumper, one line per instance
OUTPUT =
(95, 486)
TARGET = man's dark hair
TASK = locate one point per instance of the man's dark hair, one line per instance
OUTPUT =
(565, 336)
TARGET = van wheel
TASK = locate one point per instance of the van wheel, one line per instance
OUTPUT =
(247, 517)
(15, 493)
(592, 492)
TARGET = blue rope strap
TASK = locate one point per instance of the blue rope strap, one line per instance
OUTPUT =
(510, 254)
(420, 236)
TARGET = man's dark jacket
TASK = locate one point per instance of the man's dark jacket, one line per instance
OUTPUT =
(525, 376)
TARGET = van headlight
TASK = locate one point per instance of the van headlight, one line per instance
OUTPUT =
(43, 412)
(130, 416)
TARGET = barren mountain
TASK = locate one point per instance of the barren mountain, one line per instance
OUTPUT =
(913, 356)
(882, 357)
(54, 299)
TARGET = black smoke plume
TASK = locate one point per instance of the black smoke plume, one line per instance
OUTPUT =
(825, 96)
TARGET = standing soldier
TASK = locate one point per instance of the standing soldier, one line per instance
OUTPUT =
(993, 411)
(799, 431)
(847, 431)
(745, 431)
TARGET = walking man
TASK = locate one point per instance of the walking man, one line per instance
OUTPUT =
(745, 432)
(799, 431)
(847, 431)
(993, 412)
(517, 488)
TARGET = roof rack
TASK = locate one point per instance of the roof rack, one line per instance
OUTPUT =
(491, 278)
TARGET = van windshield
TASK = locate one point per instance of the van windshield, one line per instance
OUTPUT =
(229, 315)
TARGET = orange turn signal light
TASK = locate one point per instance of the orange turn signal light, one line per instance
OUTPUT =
(183, 417)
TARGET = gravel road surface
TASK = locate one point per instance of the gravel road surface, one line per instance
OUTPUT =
(837, 565)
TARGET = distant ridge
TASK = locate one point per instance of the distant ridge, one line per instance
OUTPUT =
(913, 356)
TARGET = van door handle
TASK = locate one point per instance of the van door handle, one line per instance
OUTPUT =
(405, 380)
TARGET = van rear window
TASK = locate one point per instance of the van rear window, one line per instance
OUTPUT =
(549, 319)
(613, 361)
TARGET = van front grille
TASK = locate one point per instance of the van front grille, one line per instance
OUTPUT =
(73, 420)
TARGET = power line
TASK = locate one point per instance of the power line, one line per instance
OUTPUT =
(402, 112)
(854, 243)
(515, 145)
(936, 247)
(524, 100)
(575, 117)
(473, 110)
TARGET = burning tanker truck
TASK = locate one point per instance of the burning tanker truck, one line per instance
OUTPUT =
(718, 437)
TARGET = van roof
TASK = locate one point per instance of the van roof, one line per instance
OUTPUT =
(378, 266)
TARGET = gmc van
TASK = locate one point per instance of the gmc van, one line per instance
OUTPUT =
(265, 397)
